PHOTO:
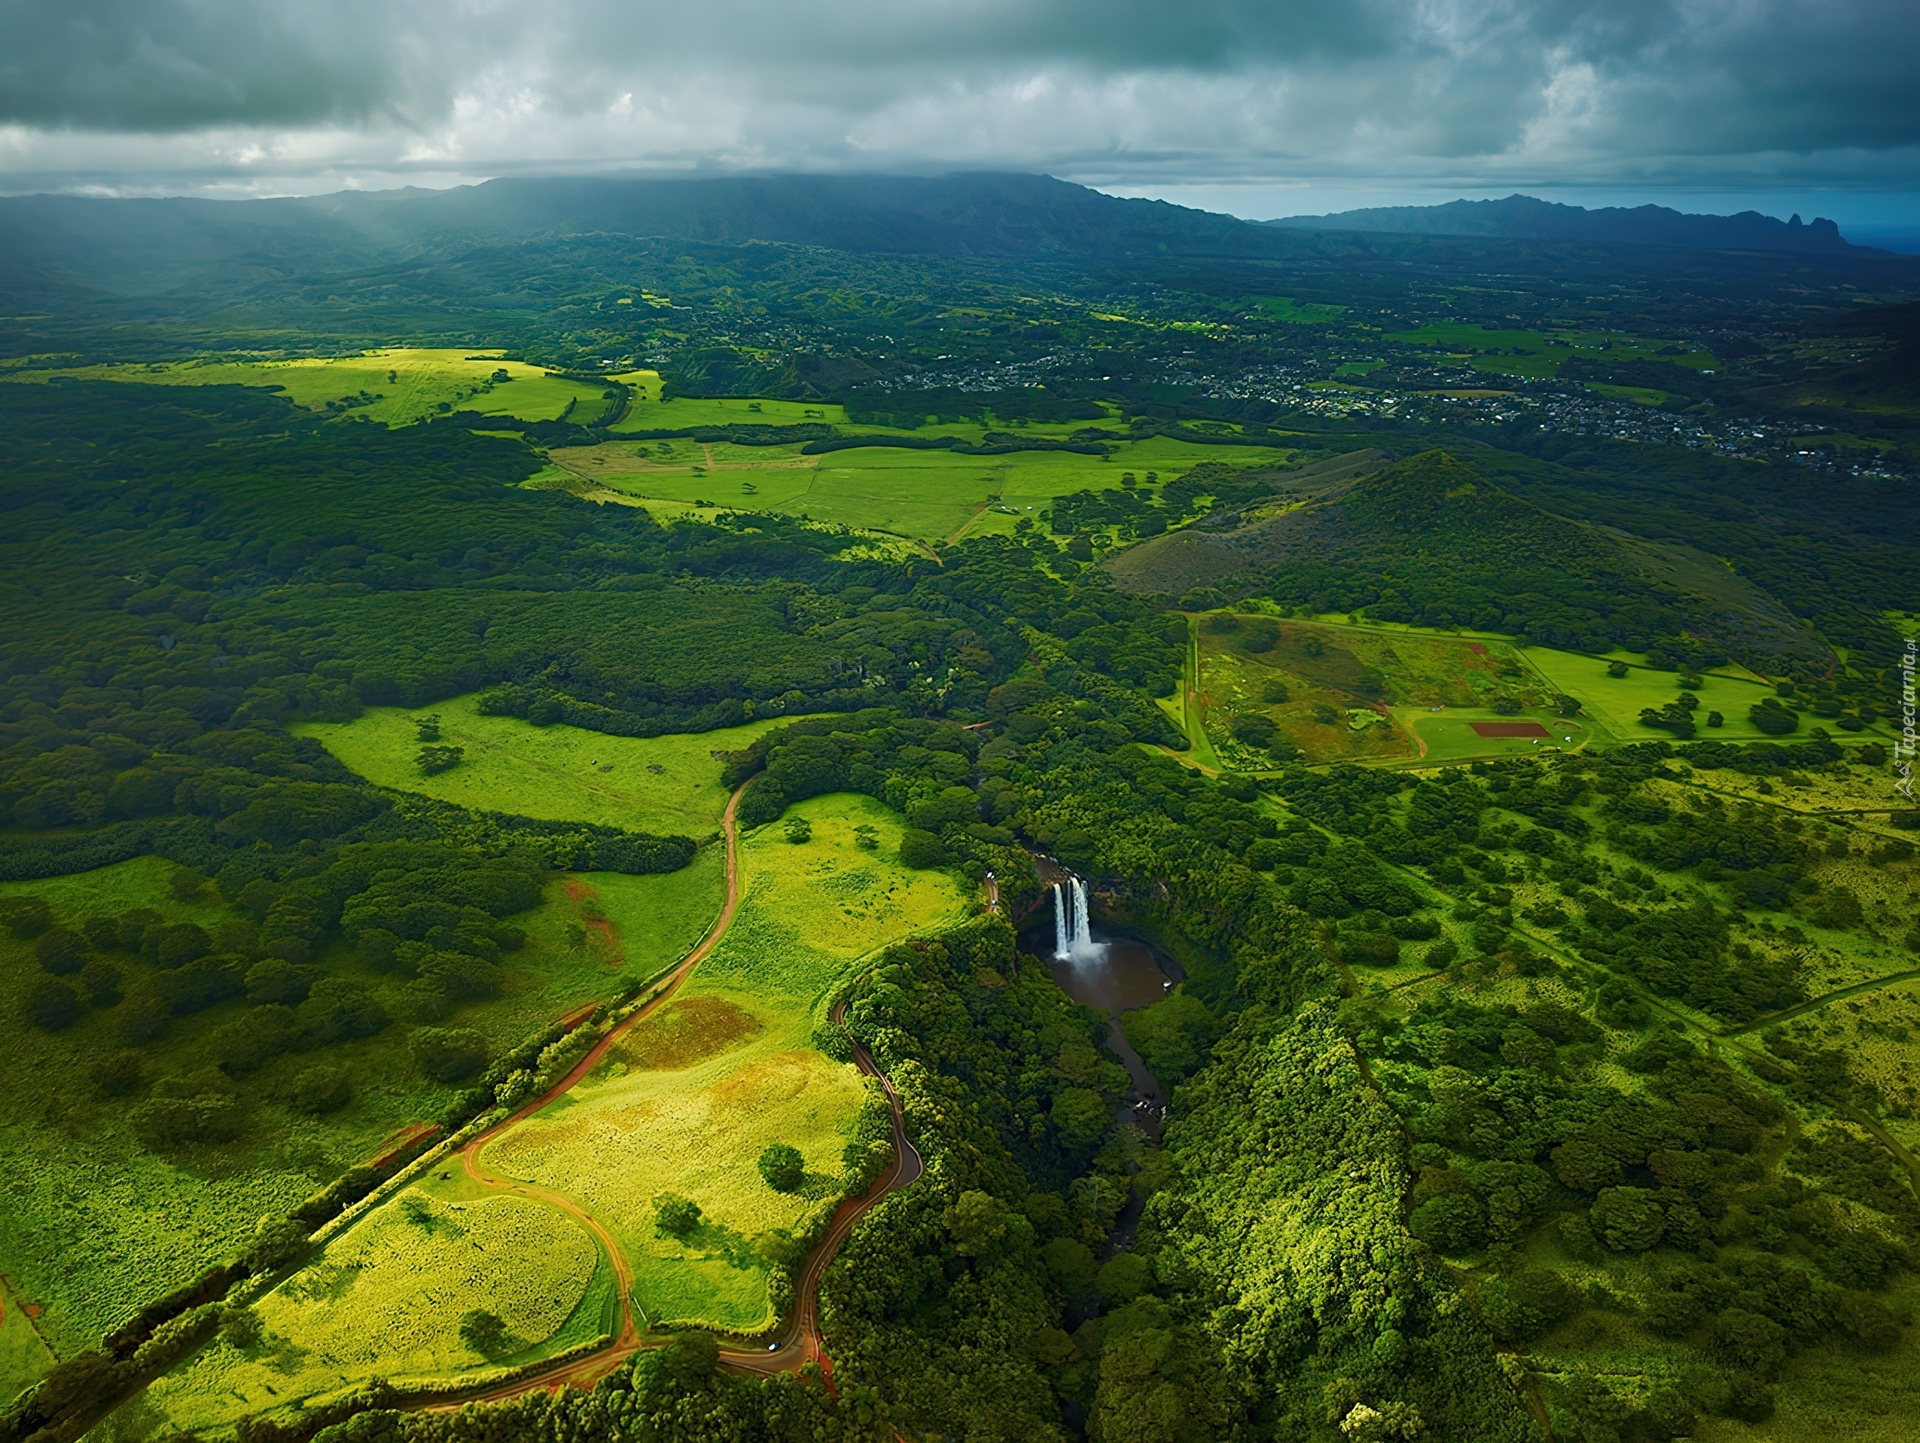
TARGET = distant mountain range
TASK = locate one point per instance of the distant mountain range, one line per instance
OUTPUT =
(1521, 217)
(59, 251)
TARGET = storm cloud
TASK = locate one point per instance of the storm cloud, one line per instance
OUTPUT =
(253, 96)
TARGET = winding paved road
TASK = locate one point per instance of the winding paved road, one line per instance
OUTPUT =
(801, 1342)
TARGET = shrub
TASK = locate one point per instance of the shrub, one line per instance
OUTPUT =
(101, 981)
(1775, 720)
(485, 1333)
(1505, 706)
(167, 1122)
(782, 1168)
(275, 980)
(866, 837)
(448, 1054)
(433, 760)
(1628, 1219)
(921, 849)
(675, 1216)
(187, 882)
(61, 951)
(1253, 729)
(320, 1090)
(1274, 693)
(117, 1074)
(1521, 1306)
(1450, 1223)
(26, 917)
(799, 830)
(51, 1006)
(1124, 1278)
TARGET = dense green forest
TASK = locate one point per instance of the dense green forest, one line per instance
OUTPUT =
(1551, 1093)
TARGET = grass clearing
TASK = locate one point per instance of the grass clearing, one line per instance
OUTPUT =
(395, 386)
(1615, 703)
(24, 1357)
(1285, 308)
(688, 1100)
(685, 412)
(927, 495)
(1538, 354)
(664, 784)
(386, 1300)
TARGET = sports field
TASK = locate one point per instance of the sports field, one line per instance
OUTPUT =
(928, 495)
(396, 386)
(667, 784)
(687, 1101)
(1464, 734)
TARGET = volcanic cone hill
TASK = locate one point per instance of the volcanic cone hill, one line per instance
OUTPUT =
(1429, 540)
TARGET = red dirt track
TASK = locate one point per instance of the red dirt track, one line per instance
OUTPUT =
(801, 1342)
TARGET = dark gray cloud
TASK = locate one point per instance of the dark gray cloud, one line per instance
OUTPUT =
(270, 94)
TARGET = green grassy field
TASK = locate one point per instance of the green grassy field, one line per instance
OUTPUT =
(1639, 395)
(1539, 353)
(1285, 308)
(386, 1300)
(410, 384)
(24, 1358)
(663, 784)
(929, 495)
(93, 1226)
(1448, 736)
(687, 1101)
(1615, 703)
(683, 412)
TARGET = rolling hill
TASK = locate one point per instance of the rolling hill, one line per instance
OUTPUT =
(1430, 540)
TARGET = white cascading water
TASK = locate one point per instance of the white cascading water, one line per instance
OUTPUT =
(1072, 936)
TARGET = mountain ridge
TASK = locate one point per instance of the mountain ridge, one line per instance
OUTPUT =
(1524, 217)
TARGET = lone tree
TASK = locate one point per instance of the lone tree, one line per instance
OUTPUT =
(783, 1167)
(675, 1215)
(484, 1333)
(436, 759)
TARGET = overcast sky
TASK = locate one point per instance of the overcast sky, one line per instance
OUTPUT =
(1259, 107)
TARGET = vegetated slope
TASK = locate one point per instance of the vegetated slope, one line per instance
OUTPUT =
(1430, 540)
(1522, 217)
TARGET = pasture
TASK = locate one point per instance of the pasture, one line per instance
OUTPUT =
(1615, 703)
(386, 1300)
(687, 1100)
(395, 386)
(666, 784)
(926, 495)
(650, 413)
(1539, 353)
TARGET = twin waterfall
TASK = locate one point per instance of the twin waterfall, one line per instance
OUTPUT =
(1072, 942)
